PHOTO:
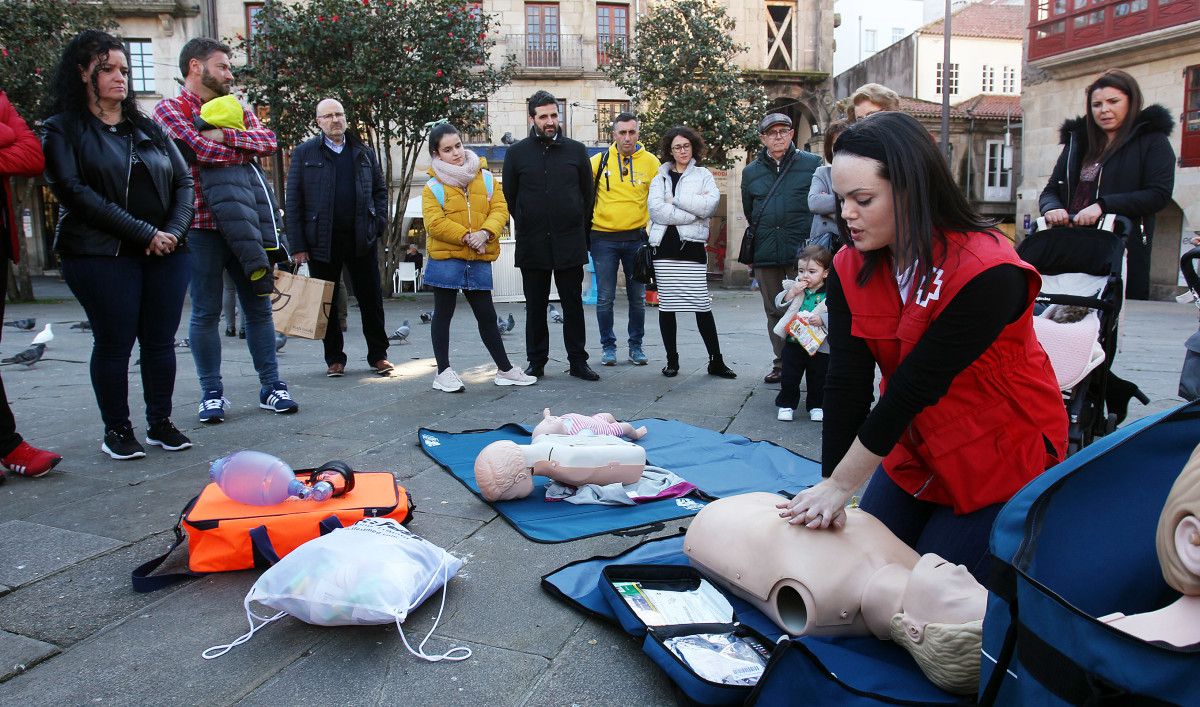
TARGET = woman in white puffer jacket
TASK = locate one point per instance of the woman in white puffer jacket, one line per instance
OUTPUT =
(683, 197)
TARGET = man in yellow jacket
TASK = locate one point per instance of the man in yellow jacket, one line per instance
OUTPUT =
(622, 176)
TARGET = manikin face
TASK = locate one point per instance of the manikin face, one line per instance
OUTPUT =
(450, 149)
(811, 274)
(331, 119)
(625, 137)
(867, 204)
(940, 592)
(545, 120)
(1109, 109)
(112, 77)
(216, 75)
(864, 108)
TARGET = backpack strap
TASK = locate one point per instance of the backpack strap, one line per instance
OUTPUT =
(143, 582)
(439, 191)
(489, 181)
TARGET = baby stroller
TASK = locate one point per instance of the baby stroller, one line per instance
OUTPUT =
(1078, 310)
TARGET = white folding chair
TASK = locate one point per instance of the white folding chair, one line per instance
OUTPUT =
(406, 272)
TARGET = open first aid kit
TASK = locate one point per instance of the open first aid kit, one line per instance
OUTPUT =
(689, 629)
(373, 572)
(224, 535)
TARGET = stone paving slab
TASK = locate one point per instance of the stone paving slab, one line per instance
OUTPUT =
(18, 654)
(23, 499)
(79, 601)
(31, 550)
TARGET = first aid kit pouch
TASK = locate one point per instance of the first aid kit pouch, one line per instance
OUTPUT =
(689, 630)
(374, 572)
(224, 535)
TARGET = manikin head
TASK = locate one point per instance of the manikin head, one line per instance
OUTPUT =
(550, 425)
(1178, 536)
(501, 472)
(941, 623)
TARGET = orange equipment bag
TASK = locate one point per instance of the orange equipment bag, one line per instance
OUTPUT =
(224, 535)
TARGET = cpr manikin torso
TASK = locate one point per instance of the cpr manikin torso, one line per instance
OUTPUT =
(855, 581)
(1178, 543)
(504, 469)
(571, 423)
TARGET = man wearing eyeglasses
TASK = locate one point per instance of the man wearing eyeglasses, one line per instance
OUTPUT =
(335, 212)
(781, 223)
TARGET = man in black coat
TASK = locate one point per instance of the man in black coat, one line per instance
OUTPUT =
(548, 187)
(335, 212)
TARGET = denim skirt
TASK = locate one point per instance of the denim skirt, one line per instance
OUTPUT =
(458, 274)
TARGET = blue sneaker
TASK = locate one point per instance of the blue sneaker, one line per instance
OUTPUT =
(212, 406)
(609, 357)
(636, 356)
(276, 398)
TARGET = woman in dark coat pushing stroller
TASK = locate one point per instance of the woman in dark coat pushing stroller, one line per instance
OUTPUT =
(1116, 159)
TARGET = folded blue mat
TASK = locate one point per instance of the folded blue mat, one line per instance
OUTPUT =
(802, 671)
(718, 464)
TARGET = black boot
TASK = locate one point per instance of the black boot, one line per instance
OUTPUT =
(1117, 393)
(672, 368)
(717, 367)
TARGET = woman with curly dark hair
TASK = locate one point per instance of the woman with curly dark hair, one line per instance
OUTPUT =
(683, 196)
(125, 196)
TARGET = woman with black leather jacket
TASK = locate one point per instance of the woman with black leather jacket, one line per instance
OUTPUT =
(1116, 159)
(125, 196)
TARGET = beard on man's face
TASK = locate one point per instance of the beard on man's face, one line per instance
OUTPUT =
(213, 83)
(548, 131)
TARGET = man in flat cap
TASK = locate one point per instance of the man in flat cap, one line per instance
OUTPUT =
(781, 223)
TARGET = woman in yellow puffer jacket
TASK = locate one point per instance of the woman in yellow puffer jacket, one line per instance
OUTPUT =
(464, 213)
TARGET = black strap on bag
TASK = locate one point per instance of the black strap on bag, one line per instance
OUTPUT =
(746, 251)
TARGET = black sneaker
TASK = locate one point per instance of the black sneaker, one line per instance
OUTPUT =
(119, 443)
(166, 435)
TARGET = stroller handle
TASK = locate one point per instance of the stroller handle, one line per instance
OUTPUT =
(1188, 267)
(1118, 225)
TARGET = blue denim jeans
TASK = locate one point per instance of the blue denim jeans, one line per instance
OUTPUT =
(211, 260)
(128, 300)
(607, 255)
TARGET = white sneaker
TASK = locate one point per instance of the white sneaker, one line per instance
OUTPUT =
(448, 381)
(816, 415)
(785, 415)
(514, 376)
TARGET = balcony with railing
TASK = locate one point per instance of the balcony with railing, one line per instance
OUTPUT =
(1060, 26)
(549, 54)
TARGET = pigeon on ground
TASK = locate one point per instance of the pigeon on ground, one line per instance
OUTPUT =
(505, 325)
(555, 315)
(82, 326)
(25, 324)
(512, 322)
(180, 344)
(280, 340)
(426, 317)
(28, 357)
(401, 334)
(45, 336)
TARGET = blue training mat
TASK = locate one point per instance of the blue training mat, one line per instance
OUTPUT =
(802, 671)
(719, 464)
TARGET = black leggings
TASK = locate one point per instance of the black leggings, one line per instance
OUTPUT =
(444, 301)
(704, 322)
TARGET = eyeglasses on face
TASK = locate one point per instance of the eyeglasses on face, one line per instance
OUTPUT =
(776, 134)
(685, 147)
(330, 116)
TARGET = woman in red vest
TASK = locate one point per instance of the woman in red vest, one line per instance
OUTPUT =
(937, 299)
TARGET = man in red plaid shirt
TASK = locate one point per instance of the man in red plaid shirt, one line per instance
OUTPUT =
(205, 66)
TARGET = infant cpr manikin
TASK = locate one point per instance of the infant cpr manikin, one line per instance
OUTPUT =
(504, 469)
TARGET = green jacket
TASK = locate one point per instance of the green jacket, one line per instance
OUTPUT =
(784, 226)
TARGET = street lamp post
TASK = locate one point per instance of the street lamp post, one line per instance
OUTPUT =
(946, 84)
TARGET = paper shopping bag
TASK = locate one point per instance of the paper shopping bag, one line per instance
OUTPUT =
(300, 305)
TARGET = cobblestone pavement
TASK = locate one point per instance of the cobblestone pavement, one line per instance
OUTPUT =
(73, 632)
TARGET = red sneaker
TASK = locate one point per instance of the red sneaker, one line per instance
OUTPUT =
(30, 461)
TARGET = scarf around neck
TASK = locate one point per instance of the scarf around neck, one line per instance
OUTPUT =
(457, 175)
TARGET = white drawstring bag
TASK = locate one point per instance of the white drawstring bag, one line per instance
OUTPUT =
(374, 572)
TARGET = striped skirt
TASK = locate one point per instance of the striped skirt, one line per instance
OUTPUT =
(682, 286)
